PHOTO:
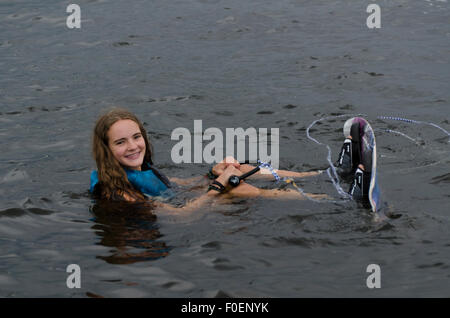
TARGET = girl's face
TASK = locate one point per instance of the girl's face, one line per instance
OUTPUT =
(127, 143)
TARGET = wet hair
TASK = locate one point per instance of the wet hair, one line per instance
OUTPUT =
(113, 182)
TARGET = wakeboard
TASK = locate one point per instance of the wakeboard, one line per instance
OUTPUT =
(369, 158)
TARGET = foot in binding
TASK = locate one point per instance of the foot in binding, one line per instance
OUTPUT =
(359, 188)
(344, 165)
(350, 155)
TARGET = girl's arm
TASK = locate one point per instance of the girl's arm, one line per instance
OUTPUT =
(207, 197)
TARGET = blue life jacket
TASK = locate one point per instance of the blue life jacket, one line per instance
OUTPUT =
(150, 182)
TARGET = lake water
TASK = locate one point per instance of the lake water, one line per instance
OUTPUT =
(279, 64)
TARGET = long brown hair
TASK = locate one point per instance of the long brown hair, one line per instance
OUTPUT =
(113, 182)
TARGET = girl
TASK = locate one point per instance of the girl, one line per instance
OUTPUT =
(125, 171)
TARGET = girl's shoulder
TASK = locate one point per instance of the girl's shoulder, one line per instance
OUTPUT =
(94, 180)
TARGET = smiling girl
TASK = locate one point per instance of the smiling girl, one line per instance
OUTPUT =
(121, 150)
(125, 171)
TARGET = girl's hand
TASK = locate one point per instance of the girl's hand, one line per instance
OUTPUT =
(220, 168)
(227, 173)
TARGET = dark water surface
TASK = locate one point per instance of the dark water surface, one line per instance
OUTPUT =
(264, 64)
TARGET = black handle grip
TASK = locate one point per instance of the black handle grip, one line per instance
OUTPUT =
(235, 180)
